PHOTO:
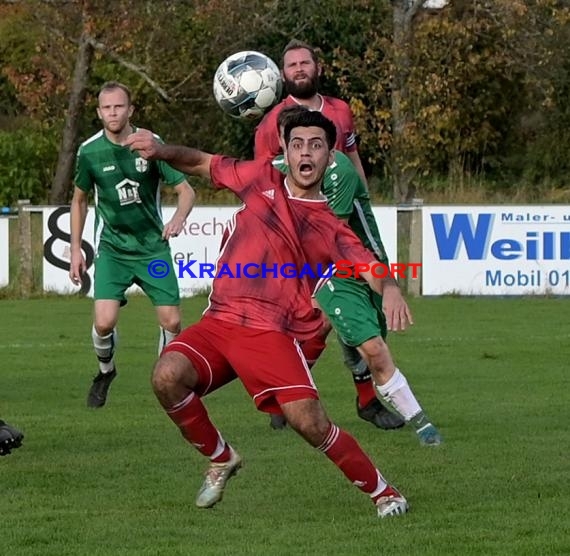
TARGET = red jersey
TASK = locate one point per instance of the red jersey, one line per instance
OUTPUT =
(274, 231)
(267, 145)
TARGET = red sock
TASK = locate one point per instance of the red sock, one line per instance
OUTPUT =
(192, 419)
(312, 349)
(343, 450)
(365, 391)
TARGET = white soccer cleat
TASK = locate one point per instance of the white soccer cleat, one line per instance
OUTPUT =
(392, 504)
(218, 474)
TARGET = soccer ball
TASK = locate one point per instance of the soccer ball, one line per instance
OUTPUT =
(247, 84)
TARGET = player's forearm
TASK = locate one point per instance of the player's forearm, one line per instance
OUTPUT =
(186, 198)
(389, 282)
(78, 215)
(379, 285)
(374, 282)
(186, 159)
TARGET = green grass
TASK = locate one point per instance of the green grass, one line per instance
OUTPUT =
(492, 373)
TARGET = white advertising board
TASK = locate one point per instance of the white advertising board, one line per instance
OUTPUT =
(4, 253)
(199, 241)
(387, 220)
(506, 250)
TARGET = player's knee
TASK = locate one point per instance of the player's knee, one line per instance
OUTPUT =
(166, 375)
(103, 326)
(312, 429)
(171, 323)
(309, 420)
(375, 349)
(379, 359)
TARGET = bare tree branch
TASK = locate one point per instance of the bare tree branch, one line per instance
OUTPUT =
(129, 65)
(195, 99)
(96, 45)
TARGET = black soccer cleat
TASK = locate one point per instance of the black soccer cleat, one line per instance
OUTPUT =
(379, 416)
(98, 391)
(10, 438)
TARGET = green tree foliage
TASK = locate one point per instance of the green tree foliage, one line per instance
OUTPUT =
(479, 76)
(482, 86)
(27, 160)
(28, 114)
(538, 146)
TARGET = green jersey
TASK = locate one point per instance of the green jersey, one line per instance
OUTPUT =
(128, 220)
(348, 198)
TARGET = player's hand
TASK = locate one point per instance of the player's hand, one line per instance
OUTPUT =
(398, 314)
(144, 142)
(77, 268)
(173, 228)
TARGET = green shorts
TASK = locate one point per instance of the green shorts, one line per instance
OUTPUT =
(354, 310)
(114, 275)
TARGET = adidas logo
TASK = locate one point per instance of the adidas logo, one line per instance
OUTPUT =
(270, 194)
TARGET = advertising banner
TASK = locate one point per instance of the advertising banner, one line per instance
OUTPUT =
(507, 250)
(4, 253)
(387, 220)
(199, 241)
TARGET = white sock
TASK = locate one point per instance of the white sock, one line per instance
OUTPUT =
(220, 447)
(399, 395)
(105, 349)
(380, 486)
(165, 338)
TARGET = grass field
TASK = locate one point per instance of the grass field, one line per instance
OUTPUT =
(492, 373)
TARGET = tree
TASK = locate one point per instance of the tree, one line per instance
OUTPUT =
(403, 167)
(443, 91)
(477, 87)
(65, 164)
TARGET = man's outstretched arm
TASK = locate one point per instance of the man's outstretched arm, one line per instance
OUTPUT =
(186, 159)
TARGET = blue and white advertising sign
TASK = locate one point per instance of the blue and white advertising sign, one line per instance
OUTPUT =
(508, 250)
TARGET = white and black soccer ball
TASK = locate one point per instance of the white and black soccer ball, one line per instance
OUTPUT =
(247, 84)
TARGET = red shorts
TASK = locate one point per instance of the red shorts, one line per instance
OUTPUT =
(270, 364)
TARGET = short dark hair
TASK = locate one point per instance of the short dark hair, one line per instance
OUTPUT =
(287, 113)
(310, 118)
(111, 85)
(296, 44)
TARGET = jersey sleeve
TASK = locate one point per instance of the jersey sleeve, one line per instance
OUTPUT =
(266, 143)
(82, 178)
(350, 143)
(169, 175)
(349, 134)
(347, 184)
(349, 247)
(239, 176)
